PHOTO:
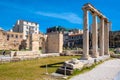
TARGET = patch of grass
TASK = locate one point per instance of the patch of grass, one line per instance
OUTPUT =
(31, 69)
(112, 49)
(6, 52)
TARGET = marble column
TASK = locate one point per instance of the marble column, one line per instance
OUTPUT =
(106, 38)
(94, 36)
(85, 36)
(101, 37)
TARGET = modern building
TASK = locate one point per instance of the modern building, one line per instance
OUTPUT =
(24, 35)
(114, 39)
(72, 38)
(56, 29)
(26, 27)
(75, 41)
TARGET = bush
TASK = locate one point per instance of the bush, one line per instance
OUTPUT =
(6, 52)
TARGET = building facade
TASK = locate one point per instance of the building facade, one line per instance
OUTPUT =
(114, 39)
(75, 41)
(22, 36)
(11, 40)
(14, 41)
(26, 27)
(72, 38)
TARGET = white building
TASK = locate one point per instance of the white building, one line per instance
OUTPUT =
(26, 28)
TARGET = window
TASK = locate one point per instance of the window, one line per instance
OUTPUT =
(26, 36)
(3, 33)
(16, 36)
(27, 27)
(33, 24)
(36, 29)
(20, 36)
(12, 35)
(27, 32)
(72, 37)
(32, 28)
(8, 37)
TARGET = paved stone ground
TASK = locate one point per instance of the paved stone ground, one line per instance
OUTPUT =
(106, 71)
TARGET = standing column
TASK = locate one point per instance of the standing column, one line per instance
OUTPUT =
(106, 38)
(102, 37)
(95, 37)
(85, 36)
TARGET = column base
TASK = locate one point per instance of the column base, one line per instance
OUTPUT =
(107, 53)
(95, 55)
(101, 55)
(85, 57)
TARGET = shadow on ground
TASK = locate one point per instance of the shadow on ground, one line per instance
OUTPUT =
(52, 65)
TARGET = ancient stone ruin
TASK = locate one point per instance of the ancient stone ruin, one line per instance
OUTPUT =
(55, 42)
(97, 56)
(104, 33)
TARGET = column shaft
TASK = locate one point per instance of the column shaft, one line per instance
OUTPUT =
(106, 38)
(102, 37)
(95, 37)
(85, 36)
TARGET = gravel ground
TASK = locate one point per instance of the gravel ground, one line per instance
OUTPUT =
(106, 71)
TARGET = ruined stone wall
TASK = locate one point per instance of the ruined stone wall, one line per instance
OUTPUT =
(54, 42)
(3, 40)
(44, 44)
(35, 42)
(41, 36)
(14, 40)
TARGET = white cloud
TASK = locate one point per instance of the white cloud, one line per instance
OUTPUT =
(71, 17)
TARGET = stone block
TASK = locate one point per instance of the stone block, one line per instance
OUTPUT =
(61, 70)
(73, 64)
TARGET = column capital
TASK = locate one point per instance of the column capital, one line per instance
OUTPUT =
(102, 18)
(86, 8)
(94, 14)
(106, 21)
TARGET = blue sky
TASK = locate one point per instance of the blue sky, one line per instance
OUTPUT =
(49, 13)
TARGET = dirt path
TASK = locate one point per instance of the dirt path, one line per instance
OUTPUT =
(106, 71)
